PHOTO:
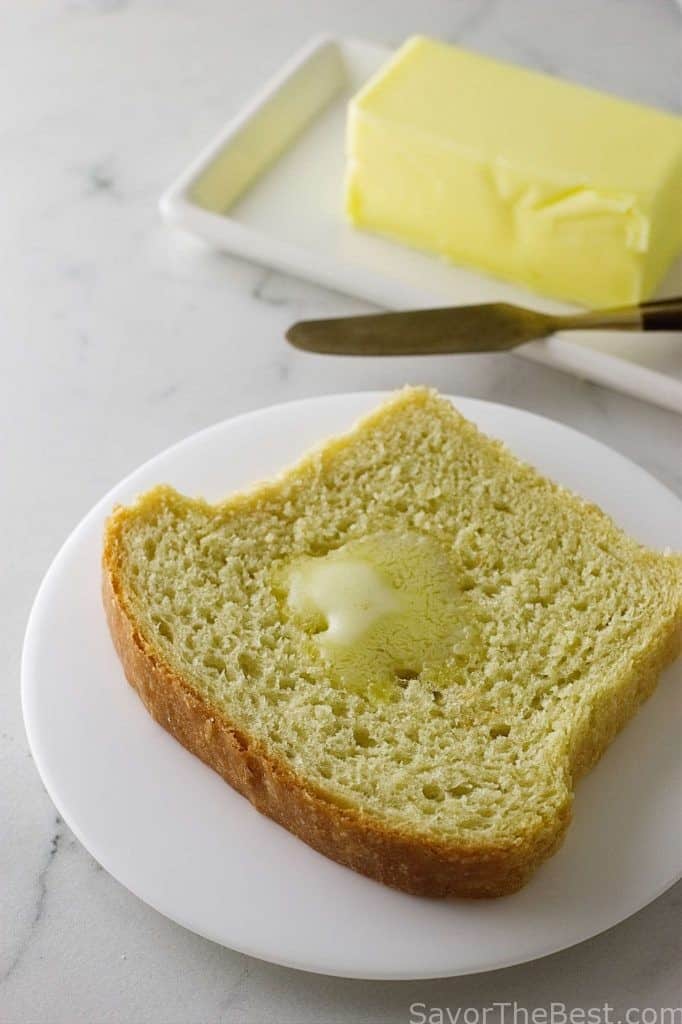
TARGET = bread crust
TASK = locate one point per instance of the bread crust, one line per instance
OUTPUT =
(418, 864)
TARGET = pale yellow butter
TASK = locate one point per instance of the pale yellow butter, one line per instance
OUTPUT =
(349, 593)
(569, 191)
(382, 610)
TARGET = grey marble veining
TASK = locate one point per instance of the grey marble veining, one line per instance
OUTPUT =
(119, 337)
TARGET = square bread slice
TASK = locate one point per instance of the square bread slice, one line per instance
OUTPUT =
(406, 649)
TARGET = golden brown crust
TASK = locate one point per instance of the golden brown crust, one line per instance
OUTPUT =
(416, 864)
(593, 735)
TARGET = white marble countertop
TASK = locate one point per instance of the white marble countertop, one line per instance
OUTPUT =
(120, 336)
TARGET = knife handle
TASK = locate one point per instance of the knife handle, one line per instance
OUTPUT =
(662, 315)
(659, 315)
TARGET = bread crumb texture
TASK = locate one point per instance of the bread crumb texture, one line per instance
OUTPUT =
(534, 626)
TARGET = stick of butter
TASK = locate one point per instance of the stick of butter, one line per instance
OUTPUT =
(565, 190)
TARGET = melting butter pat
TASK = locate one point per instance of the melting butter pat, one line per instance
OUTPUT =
(382, 610)
(566, 190)
(351, 595)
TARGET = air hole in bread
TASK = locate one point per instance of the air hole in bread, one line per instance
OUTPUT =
(405, 675)
(433, 792)
(463, 789)
(211, 660)
(249, 664)
(362, 737)
(164, 630)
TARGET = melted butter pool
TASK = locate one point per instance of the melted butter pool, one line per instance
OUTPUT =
(381, 610)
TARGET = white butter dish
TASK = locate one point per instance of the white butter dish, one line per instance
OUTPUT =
(270, 188)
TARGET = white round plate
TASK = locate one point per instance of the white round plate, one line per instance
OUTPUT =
(170, 830)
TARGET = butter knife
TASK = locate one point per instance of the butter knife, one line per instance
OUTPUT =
(493, 327)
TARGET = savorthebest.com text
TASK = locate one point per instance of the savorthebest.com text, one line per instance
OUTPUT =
(555, 1013)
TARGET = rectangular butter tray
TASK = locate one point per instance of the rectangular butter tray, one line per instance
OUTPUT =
(270, 188)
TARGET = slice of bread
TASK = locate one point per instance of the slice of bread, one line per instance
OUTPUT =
(406, 649)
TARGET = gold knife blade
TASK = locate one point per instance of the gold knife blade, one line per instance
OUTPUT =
(492, 327)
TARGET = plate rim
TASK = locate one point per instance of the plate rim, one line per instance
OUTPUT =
(44, 774)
